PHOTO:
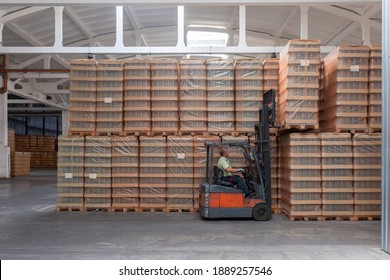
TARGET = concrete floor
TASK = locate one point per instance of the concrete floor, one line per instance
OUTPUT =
(31, 229)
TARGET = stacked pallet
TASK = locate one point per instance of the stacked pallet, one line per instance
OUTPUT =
(153, 172)
(43, 159)
(375, 90)
(22, 143)
(97, 173)
(337, 175)
(249, 94)
(124, 173)
(165, 96)
(70, 173)
(299, 94)
(220, 95)
(301, 176)
(82, 99)
(11, 139)
(20, 164)
(109, 97)
(180, 173)
(193, 96)
(137, 104)
(344, 101)
(200, 159)
(367, 167)
(274, 172)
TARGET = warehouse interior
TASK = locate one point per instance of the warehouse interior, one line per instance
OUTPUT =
(106, 107)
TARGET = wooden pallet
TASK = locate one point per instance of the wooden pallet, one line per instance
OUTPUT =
(137, 133)
(301, 218)
(96, 209)
(82, 133)
(366, 218)
(125, 209)
(337, 218)
(119, 133)
(169, 133)
(180, 209)
(70, 209)
(151, 209)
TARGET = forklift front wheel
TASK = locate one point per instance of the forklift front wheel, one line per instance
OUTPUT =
(261, 212)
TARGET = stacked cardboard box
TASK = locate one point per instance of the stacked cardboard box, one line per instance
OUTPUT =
(125, 172)
(337, 175)
(11, 139)
(367, 167)
(193, 96)
(220, 95)
(344, 101)
(180, 173)
(20, 164)
(22, 143)
(249, 93)
(97, 172)
(301, 175)
(41, 148)
(109, 97)
(165, 96)
(375, 90)
(137, 104)
(153, 174)
(82, 99)
(299, 93)
(70, 173)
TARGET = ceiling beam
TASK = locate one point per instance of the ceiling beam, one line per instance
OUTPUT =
(181, 2)
(10, 17)
(336, 39)
(286, 21)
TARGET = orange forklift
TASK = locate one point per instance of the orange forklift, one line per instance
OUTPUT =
(220, 199)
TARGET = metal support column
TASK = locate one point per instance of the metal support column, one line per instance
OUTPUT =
(304, 22)
(385, 125)
(180, 27)
(58, 13)
(4, 149)
(242, 27)
(119, 27)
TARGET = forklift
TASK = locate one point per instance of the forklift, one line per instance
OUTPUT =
(221, 199)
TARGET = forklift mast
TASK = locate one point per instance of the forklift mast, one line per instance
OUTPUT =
(267, 119)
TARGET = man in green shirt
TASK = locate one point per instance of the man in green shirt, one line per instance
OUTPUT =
(224, 165)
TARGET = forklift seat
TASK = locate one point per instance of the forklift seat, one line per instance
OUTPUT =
(218, 174)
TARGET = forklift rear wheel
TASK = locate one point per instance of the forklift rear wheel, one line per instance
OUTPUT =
(261, 212)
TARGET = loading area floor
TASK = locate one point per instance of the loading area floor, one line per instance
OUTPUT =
(30, 228)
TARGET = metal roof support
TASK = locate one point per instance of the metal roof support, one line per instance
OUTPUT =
(4, 149)
(286, 21)
(180, 27)
(385, 125)
(366, 32)
(304, 21)
(58, 12)
(1, 33)
(242, 27)
(119, 27)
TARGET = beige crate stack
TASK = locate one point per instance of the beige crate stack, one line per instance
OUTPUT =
(375, 90)
(367, 167)
(345, 96)
(137, 98)
(220, 96)
(274, 172)
(20, 164)
(70, 173)
(125, 172)
(82, 98)
(11, 139)
(200, 159)
(299, 93)
(271, 77)
(337, 175)
(193, 96)
(97, 173)
(22, 143)
(153, 170)
(301, 176)
(180, 173)
(249, 94)
(109, 97)
(165, 96)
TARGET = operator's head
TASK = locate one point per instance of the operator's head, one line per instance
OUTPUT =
(224, 153)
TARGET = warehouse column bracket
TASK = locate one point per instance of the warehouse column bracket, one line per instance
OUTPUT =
(366, 31)
(119, 27)
(304, 22)
(242, 27)
(180, 27)
(58, 26)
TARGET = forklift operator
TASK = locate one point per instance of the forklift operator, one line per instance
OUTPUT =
(224, 165)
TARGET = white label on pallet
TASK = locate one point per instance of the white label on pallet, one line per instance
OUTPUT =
(305, 62)
(107, 99)
(68, 175)
(181, 156)
(355, 68)
(92, 176)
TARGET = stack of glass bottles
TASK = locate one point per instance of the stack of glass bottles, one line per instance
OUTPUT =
(299, 94)
(375, 90)
(249, 93)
